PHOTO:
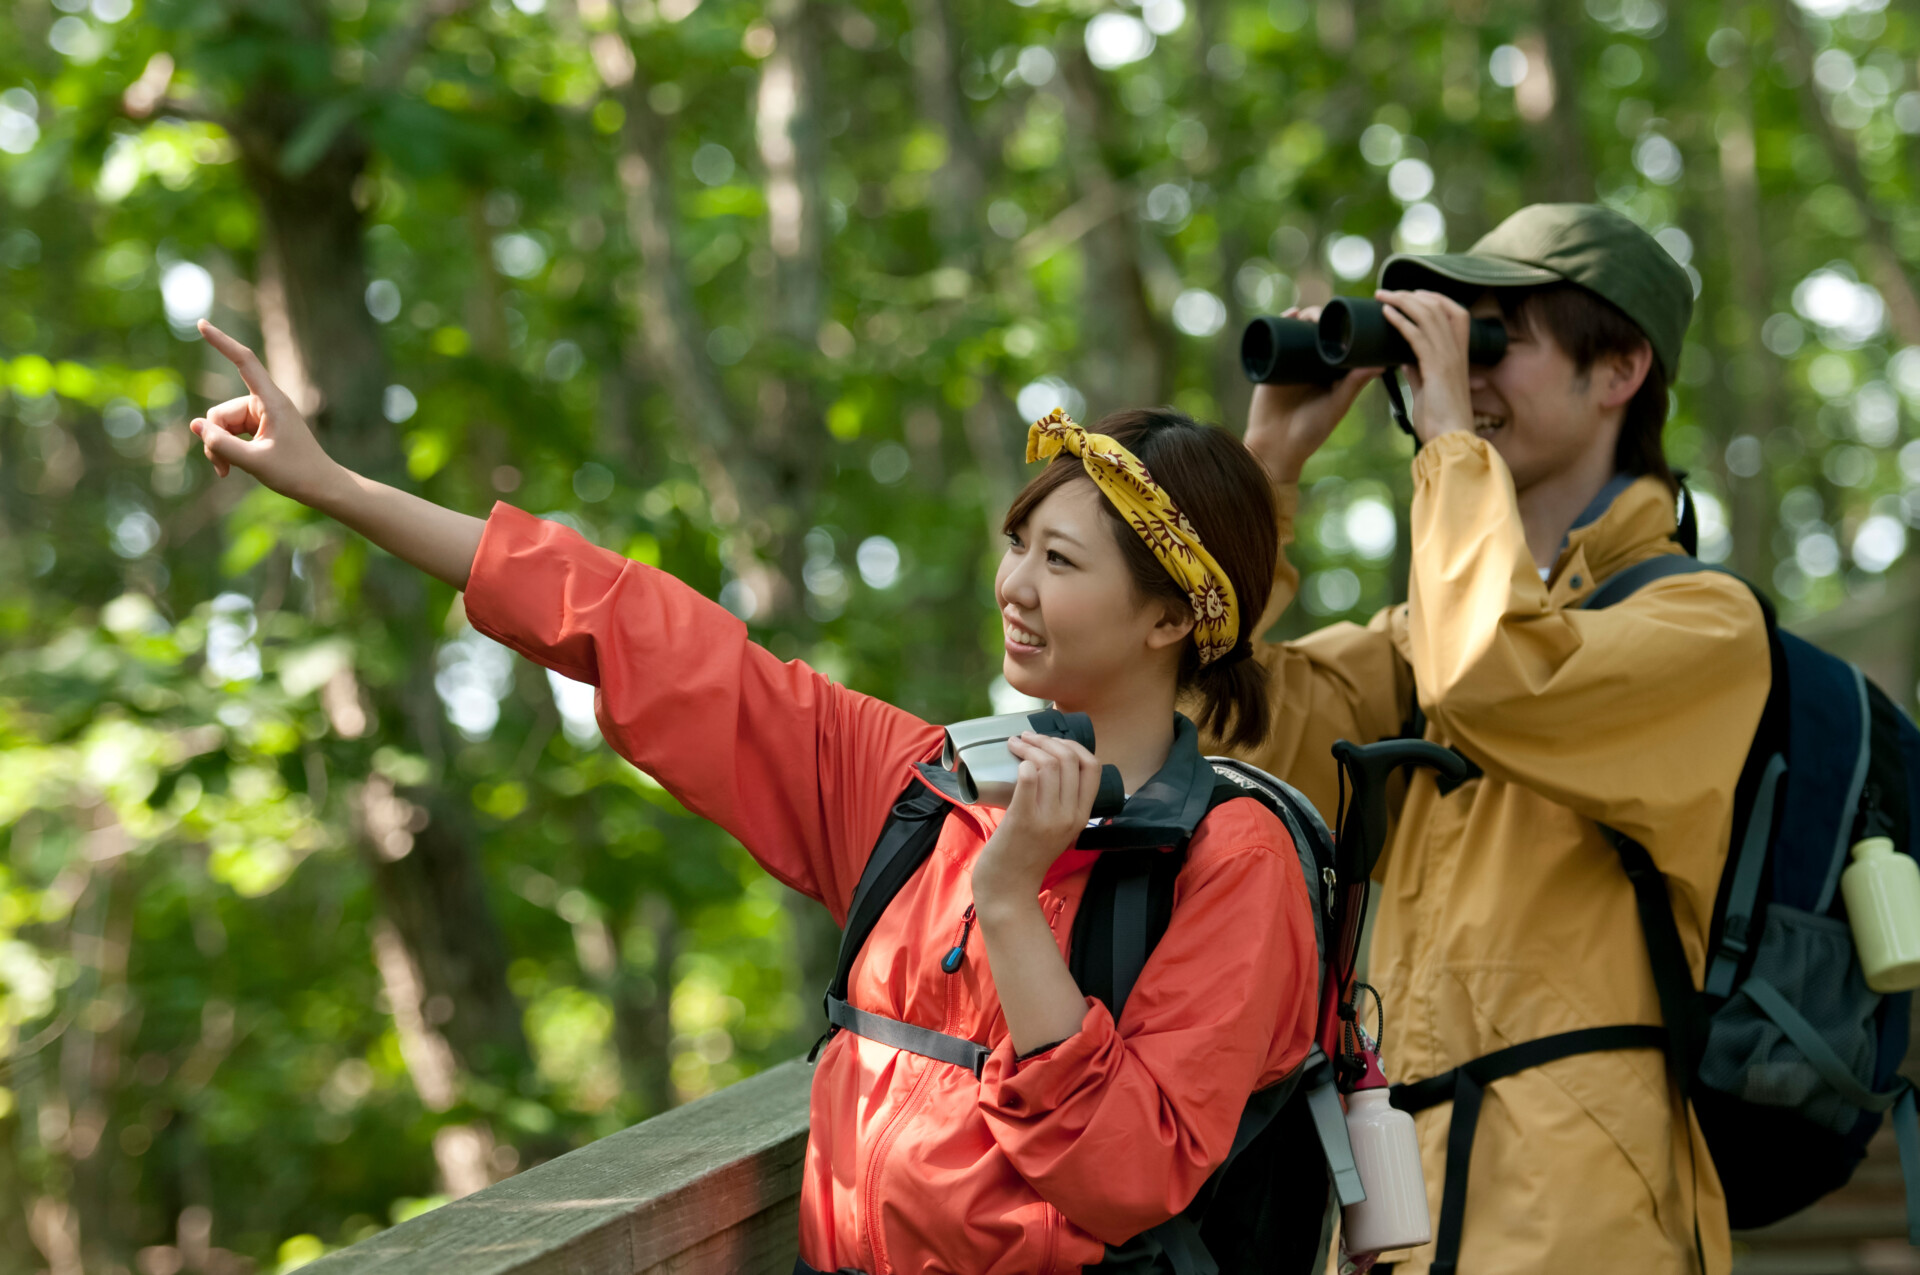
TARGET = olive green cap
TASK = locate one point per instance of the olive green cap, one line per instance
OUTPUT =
(1585, 244)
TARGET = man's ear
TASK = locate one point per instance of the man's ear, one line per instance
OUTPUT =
(1619, 376)
(1175, 622)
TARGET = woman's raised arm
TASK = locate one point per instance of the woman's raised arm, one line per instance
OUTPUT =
(802, 771)
(264, 435)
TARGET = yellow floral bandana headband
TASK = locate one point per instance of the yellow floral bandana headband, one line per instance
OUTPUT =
(1148, 509)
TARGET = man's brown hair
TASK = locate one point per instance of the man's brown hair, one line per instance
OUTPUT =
(1227, 497)
(1590, 328)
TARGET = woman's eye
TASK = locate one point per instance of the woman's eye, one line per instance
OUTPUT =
(1013, 541)
(1054, 559)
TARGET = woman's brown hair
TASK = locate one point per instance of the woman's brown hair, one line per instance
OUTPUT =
(1227, 497)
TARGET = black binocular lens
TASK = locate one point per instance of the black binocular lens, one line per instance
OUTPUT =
(1355, 332)
(1352, 332)
(1277, 351)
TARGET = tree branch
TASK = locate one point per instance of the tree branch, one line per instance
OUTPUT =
(1888, 271)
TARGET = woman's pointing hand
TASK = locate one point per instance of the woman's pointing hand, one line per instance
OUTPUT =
(261, 432)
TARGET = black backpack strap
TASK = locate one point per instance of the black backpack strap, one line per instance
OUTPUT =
(908, 837)
(1125, 910)
(1672, 977)
(1464, 1087)
(1132, 907)
(1760, 786)
(1129, 898)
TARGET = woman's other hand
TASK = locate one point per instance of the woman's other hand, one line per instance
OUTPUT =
(262, 432)
(1052, 800)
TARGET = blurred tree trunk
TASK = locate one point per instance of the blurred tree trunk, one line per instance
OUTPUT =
(789, 429)
(740, 491)
(90, 1050)
(320, 342)
(1565, 167)
(1232, 392)
(991, 424)
(1888, 273)
(960, 185)
(1752, 372)
(324, 344)
(1125, 349)
(643, 1006)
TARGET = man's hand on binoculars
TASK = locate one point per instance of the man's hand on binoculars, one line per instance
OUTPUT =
(1286, 424)
(1437, 327)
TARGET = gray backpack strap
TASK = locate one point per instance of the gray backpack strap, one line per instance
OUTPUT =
(1749, 862)
(1624, 584)
(915, 1040)
(1330, 1123)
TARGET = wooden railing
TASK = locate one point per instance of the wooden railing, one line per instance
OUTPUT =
(711, 1188)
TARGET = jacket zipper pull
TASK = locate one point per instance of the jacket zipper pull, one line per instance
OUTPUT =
(958, 953)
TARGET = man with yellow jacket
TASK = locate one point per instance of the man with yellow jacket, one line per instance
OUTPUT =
(1504, 912)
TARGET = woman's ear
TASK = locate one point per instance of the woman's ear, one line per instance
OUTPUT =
(1171, 628)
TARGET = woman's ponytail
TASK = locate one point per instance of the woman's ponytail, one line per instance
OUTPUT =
(1233, 698)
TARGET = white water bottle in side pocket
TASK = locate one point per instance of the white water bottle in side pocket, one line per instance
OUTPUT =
(1394, 1214)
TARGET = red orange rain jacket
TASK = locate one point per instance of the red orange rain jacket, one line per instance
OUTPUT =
(914, 1165)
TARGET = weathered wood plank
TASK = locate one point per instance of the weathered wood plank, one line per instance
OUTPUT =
(719, 1176)
(764, 1244)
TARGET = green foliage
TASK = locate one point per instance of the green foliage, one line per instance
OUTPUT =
(227, 724)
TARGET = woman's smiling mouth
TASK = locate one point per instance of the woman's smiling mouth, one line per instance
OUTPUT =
(1022, 641)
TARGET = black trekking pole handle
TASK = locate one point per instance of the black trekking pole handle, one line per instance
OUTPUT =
(1363, 829)
(1366, 768)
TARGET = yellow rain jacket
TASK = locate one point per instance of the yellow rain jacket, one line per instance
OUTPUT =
(1504, 915)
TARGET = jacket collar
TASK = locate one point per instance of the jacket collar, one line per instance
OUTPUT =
(1631, 519)
(1164, 811)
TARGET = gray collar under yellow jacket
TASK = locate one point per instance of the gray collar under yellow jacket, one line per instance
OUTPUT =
(1503, 914)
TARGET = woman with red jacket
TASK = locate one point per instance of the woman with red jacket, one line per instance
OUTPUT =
(1077, 1133)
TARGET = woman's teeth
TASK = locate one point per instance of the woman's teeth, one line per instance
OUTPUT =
(1487, 424)
(1023, 637)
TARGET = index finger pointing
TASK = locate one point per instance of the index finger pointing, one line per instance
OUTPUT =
(244, 360)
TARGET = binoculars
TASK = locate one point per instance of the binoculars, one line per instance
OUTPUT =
(1352, 332)
(976, 752)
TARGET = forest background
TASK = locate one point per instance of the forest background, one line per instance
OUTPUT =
(316, 908)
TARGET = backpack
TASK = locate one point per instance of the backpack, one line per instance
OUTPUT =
(1789, 1060)
(1270, 1206)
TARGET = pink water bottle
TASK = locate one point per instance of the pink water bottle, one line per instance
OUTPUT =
(1385, 1150)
